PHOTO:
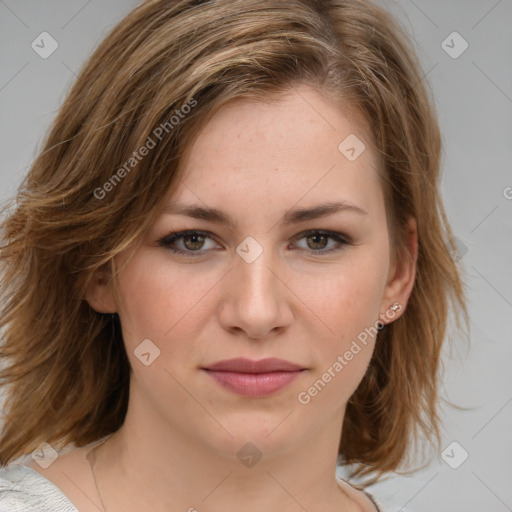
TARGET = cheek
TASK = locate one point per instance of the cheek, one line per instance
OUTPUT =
(348, 299)
(341, 359)
(349, 304)
(158, 301)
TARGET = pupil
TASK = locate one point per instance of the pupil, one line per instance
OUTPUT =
(196, 244)
(315, 238)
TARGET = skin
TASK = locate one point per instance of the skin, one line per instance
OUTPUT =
(254, 161)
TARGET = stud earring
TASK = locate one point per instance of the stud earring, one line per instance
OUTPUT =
(395, 306)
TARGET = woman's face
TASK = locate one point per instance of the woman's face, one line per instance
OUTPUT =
(301, 272)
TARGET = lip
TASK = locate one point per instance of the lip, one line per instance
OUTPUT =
(254, 378)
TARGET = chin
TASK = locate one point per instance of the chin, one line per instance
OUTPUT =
(256, 435)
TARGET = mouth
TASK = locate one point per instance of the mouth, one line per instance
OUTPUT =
(254, 378)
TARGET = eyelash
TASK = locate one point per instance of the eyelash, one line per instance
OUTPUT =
(170, 239)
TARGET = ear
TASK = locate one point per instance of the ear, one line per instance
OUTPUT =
(401, 276)
(99, 293)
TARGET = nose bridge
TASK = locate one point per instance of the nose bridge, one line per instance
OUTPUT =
(256, 276)
(256, 282)
(254, 298)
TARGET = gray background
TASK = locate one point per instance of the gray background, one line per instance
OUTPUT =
(474, 99)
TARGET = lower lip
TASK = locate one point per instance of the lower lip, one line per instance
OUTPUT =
(254, 384)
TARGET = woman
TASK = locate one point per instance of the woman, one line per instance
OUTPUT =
(228, 270)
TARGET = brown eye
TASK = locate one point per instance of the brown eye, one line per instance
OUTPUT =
(317, 241)
(323, 242)
(193, 242)
(189, 243)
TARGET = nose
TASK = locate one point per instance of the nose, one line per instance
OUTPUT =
(255, 298)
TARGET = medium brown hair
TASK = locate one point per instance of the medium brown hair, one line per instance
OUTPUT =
(67, 374)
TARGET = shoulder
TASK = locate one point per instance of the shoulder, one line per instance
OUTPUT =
(24, 490)
(365, 500)
(383, 506)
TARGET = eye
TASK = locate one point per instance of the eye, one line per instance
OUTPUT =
(188, 242)
(317, 242)
(194, 243)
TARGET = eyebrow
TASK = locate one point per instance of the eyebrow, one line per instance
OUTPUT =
(293, 216)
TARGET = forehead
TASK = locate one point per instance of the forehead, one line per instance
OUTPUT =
(300, 144)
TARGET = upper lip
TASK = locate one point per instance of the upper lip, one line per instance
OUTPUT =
(243, 365)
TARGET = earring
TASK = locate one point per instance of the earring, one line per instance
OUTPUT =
(395, 306)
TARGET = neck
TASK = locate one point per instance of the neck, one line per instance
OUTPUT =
(179, 473)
